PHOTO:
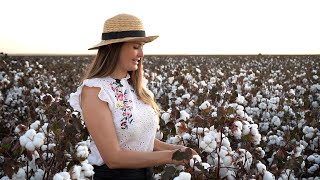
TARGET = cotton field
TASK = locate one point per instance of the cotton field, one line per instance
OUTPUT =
(248, 117)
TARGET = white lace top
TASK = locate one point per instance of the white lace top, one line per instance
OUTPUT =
(135, 122)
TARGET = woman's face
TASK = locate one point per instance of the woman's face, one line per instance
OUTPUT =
(130, 56)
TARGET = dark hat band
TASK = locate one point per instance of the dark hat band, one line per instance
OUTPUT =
(122, 34)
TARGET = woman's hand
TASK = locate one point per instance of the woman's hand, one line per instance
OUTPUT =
(181, 156)
(192, 150)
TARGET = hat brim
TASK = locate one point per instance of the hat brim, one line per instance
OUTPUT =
(127, 39)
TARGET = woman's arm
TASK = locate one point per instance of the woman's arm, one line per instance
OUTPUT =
(98, 119)
(160, 146)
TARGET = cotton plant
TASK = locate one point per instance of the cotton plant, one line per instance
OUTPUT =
(82, 170)
(262, 170)
(280, 99)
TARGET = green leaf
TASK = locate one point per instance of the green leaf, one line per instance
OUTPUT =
(6, 142)
(231, 110)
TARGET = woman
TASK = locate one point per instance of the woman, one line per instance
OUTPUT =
(118, 110)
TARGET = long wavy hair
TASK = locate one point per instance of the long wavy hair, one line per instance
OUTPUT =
(104, 65)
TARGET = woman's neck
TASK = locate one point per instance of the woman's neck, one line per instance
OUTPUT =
(118, 75)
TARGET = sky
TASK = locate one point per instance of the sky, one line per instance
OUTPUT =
(183, 26)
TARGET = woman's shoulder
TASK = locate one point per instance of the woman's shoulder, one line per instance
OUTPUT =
(100, 89)
(96, 80)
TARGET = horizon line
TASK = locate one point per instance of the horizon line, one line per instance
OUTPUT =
(245, 54)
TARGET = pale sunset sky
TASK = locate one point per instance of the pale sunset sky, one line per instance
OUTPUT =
(184, 26)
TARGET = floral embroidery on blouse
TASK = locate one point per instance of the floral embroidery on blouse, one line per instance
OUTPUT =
(124, 104)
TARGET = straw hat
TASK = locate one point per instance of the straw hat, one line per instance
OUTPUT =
(123, 28)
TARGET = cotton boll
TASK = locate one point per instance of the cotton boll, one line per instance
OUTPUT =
(178, 101)
(246, 129)
(292, 92)
(44, 128)
(157, 176)
(20, 175)
(227, 161)
(249, 119)
(208, 138)
(5, 178)
(254, 131)
(51, 146)
(315, 104)
(195, 158)
(166, 117)
(261, 168)
(44, 147)
(225, 142)
(35, 125)
(191, 103)
(240, 113)
(210, 159)
(240, 107)
(276, 121)
(268, 176)
(184, 115)
(39, 135)
(264, 126)
(58, 177)
(30, 146)
(159, 135)
(240, 99)
(309, 135)
(256, 139)
(38, 142)
(223, 153)
(76, 172)
(313, 168)
(30, 133)
(237, 133)
(82, 152)
(186, 96)
(261, 152)
(263, 106)
(17, 129)
(223, 173)
(38, 174)
(174, 140)
(213, 144)
(205, 105)
(200, 130)
(214, 114)
(238, 124)
(186, 136)
(208, 149)
(62, 176)
(248, 160)
(206, 165)
(298, 150)
(23, 140)
(183, 176)
(87, 169)
(317, 160)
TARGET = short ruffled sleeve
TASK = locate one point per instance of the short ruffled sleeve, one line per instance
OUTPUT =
(75, 98)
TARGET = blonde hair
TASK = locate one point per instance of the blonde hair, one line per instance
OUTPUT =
(105, 63)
